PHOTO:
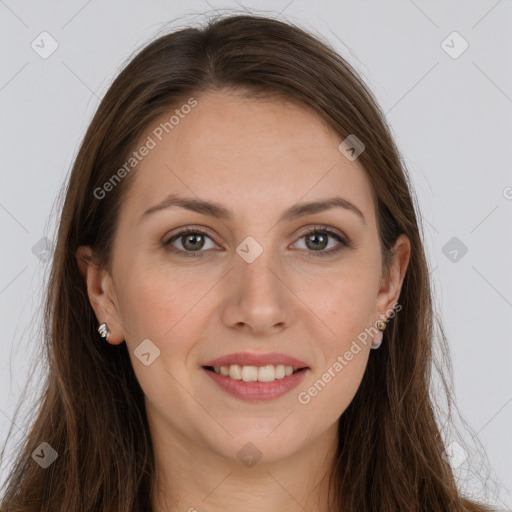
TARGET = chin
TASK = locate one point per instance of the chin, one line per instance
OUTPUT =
(251, 446)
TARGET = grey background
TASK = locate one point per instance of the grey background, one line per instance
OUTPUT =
(451, 118)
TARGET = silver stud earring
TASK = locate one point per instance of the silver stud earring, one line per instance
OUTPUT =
(104, 332)
(378, 342)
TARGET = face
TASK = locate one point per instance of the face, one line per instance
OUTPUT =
(250, 277)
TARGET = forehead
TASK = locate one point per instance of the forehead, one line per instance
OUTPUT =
(251, 154)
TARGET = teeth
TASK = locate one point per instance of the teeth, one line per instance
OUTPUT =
(280, 371)
(267, 373)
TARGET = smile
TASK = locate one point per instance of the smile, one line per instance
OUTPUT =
(267, 373)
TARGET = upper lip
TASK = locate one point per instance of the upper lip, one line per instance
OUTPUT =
(257, 359)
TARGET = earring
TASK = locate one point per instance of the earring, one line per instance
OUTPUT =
(104, 332)
(378, 342)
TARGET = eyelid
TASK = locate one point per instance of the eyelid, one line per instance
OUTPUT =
(322, 228)
(186, 230)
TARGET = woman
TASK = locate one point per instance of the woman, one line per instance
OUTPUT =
(239, 309)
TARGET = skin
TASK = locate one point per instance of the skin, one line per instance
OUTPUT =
(257, 158)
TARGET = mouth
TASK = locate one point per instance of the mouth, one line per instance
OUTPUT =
(247, 373)
(256, 383)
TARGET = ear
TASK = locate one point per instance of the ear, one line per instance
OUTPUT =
(391, 284)
(100, 291)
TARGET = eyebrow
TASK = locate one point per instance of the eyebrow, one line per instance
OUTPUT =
(219, 211)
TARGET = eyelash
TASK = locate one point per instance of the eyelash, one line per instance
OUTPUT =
(316, 230)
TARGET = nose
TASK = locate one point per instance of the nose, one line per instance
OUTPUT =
(258, 298)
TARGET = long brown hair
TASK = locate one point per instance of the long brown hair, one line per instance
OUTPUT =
(91, 410)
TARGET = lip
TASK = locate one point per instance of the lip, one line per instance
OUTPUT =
(256, 359)
(257, 391)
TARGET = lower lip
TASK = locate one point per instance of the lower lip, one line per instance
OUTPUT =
(257, 391)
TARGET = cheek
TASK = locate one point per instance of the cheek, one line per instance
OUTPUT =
(346, 305)
(348, 309)
(331, 389)
(156, 308)
(156, 299)
(167, 308)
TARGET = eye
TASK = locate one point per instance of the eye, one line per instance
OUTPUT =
(191, 240)
(317, 239)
